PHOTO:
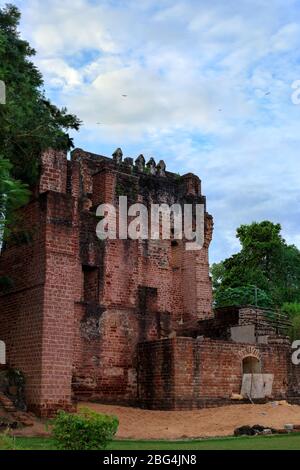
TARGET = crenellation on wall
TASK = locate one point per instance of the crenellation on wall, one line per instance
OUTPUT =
(53, 171)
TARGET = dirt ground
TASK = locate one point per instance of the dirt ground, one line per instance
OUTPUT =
(136, 423)
(145, 424)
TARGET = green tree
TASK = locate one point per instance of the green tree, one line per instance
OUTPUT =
(217, 271)
(265, 261)
(13, 194)
(29, 122)
(246, 295)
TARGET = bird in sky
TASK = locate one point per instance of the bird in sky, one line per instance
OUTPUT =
(267, 93)
(124, 96)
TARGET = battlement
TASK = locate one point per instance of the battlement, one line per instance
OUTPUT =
(81, 174)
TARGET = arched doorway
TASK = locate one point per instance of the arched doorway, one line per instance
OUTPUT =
(251, 365)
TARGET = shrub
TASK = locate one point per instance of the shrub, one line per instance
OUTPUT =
(86, 430)
(293, 311)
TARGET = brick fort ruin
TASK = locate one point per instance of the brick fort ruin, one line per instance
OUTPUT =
(126, 321)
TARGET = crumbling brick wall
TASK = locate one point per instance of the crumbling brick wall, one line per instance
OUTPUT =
(79, 307)
(186, 373)
(21, 304)
(142, 284)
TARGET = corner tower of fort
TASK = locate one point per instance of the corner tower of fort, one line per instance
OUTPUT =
(78, 307)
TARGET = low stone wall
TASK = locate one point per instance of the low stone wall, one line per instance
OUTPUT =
(186, 373)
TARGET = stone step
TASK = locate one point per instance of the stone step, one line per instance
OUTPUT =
(6, 403)
(23, 418)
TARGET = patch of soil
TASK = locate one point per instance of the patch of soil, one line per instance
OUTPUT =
(136, 423)
(22, 424)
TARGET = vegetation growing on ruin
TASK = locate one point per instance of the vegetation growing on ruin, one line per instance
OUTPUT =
(293, 311)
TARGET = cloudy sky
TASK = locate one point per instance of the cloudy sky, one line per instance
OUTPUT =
(208, 85)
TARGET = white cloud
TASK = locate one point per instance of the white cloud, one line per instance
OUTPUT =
(64, 28)
(60, 74)
(287, 37)
(208, 88)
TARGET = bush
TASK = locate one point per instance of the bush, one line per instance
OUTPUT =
(293, 311)
(86, 430)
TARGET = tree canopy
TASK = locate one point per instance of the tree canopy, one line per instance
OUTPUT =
(29, 122)
(265, 261)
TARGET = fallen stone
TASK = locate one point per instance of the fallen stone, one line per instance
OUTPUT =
(258, 428)
(281, 431)
(244, 431)
(267, 432)
(289, 427)
(236, 396)
(255, 430)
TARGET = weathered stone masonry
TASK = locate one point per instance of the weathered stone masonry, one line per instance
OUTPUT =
(78, 306)
(111, 321)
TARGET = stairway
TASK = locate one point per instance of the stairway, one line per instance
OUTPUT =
(7, 404)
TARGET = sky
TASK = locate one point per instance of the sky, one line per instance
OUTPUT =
(209, 88)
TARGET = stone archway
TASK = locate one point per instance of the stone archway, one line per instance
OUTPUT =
(255, 383)
(251, 365)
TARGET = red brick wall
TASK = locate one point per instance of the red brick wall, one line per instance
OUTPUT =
(53, 172)
(294, 381)
(94, 314)
(156, 379)
(37, 314)
(63, 287)
(21, 307)
(61, 326)
(202, 372)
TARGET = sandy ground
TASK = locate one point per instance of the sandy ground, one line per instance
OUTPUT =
(136, 423)
(145, 424)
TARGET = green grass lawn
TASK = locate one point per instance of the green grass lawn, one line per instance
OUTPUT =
(285, 442)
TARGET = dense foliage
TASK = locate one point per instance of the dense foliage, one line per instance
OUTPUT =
(29, 122)
(265, 261)
(247, 295)
(13, 193)
(293, 311)
(86, 430)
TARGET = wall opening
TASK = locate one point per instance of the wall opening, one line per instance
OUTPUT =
(147, 299)
(90, 284)
(176, 251)
(2, 353)
(251, 365)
